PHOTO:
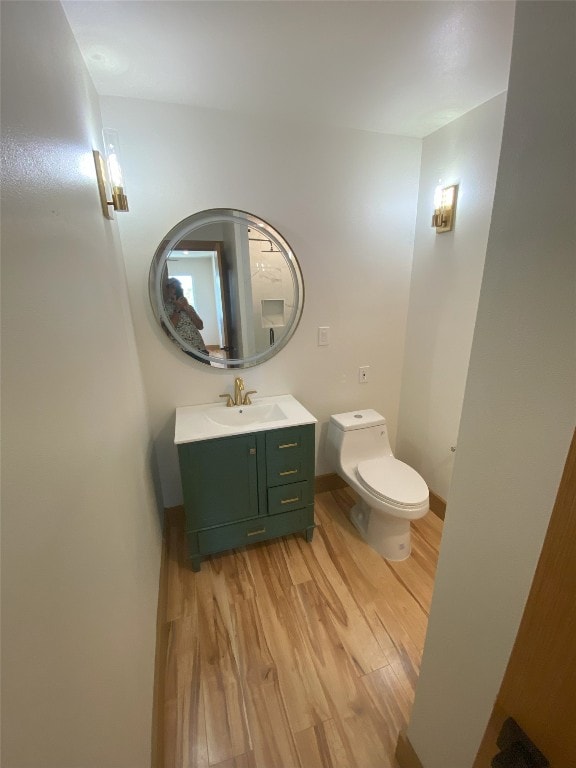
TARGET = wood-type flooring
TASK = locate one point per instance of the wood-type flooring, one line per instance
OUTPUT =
(286, 654)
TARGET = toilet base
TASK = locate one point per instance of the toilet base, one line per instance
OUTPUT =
(388, 535)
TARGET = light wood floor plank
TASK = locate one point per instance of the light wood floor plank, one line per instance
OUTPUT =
(222, 686)
(329, 576)
(242, 761)
(337, 669)
(170, 727)
(391, 699)
(290, 654)
(377, 580)
(300, 687)
(295, 561)
(271, 736)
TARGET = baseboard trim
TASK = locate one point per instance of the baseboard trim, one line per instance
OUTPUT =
(173, 516)
(330, 482)
(437, 505)
(405, 753)
(160, 656)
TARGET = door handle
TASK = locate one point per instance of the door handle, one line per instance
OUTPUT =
(517, 751)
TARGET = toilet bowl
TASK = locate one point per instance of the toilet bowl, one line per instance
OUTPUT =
(391, 492)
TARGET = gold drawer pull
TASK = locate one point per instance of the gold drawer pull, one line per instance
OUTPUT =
(289, 445)
(290, 501)
(255, 533)
(288, 472)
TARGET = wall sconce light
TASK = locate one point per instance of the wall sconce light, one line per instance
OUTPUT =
(444, 208)
(119, 200)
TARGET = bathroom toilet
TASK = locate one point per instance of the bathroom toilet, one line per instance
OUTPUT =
(391, 492)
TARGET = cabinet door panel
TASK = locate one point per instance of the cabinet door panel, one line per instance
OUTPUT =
(219, 480)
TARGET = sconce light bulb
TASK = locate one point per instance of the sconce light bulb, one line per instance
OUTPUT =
(438, 197)
(115, 171)
(447, 197)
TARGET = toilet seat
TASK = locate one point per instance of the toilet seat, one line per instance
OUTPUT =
(393, 482)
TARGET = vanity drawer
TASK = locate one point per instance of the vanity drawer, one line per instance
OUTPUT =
(239, 534)
(289, 470)
(289, 455)
(286, 497)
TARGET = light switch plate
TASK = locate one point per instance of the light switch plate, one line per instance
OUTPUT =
(323, 336)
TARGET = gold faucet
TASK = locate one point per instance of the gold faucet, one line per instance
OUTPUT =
(238, 399)
(238, 389)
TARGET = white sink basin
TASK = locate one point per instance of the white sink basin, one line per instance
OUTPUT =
(257, 413)
(203, 422)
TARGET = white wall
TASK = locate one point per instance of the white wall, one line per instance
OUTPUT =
(80, 532)
(346, 203)
(445, 287)
(519, 406)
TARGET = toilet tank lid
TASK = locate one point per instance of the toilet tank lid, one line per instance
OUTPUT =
(357, 419)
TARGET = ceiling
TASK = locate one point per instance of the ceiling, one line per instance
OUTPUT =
(403, 67)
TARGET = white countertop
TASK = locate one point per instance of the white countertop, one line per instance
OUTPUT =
(212, 420)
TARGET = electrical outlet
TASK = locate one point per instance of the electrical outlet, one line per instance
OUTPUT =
(363, 374)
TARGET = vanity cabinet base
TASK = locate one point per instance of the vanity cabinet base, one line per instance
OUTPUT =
(249, 488)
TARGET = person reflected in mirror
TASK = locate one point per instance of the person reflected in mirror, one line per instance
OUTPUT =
(186, 321)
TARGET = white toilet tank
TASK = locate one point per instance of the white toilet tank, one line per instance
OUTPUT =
(356, 436)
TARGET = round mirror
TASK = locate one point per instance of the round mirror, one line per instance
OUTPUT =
(226, 288)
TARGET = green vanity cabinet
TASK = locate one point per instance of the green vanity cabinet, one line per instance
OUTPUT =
(247, 488)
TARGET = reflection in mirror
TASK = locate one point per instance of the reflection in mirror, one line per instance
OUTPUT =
(226, 288)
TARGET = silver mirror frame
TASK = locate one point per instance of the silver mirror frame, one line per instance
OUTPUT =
(186, 228)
